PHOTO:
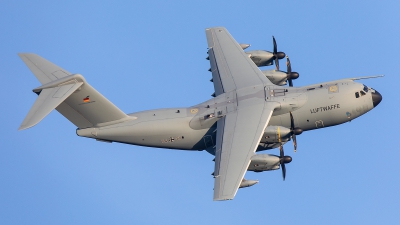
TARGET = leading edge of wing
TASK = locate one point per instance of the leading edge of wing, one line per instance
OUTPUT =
(231, 67)
(238, 136)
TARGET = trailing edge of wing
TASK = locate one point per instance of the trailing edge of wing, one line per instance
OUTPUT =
(48, 99)
(238, 136)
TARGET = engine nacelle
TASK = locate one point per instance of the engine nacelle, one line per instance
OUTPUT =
(272, 134)
(264, 162)
(261, 57)
(247, 183)
(276, 77)
(244, 46)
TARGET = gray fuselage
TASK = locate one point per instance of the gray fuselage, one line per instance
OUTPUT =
(193, 128)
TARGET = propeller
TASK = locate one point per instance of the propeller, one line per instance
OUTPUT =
(282, 158)
(294, 131)
(290, 75)
(277, 55)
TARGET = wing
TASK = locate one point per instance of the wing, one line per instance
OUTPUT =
(230, 66)
(238, 136)
(240, 131)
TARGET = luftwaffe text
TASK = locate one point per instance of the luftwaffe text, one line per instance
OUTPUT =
(325, 108)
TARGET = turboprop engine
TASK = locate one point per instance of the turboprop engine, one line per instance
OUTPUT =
(244, 46)
(276, 77)
(264, 162)
(247, 183)
(266, 58)
(276, 134)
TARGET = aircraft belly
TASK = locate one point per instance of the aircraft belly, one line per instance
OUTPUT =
(165, 133)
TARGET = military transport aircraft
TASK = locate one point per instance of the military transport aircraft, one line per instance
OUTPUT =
(251, 111)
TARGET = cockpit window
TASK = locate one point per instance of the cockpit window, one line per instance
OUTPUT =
(365, 88)
(362, 93)
(357, 95)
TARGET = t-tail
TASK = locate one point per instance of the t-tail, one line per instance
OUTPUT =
(70, 95)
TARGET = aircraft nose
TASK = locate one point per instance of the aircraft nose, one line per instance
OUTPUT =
(376, 98)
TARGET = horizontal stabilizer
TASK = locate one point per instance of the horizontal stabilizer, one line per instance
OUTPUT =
(44, 70)
(48, 100)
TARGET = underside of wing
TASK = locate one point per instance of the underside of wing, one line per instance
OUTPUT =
(230, 66)
(238, 136)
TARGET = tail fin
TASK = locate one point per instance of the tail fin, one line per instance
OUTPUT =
(69, 94)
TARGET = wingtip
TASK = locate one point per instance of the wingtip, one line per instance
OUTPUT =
(24, 126)
(21, 54)
(25, 54)
(222, 199)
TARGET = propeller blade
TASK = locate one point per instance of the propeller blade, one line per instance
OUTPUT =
(294, 142)
(289, 71)
(275, 53)
(282, 161)
(290, 75)
(288, 65)
(283, 170)
(291, 121)
(293, 132)
(281, 153)
(290, 83)
(277, 63)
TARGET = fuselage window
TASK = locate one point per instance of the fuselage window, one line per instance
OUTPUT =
(365, 88)
(357, 95)
(362, 93)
